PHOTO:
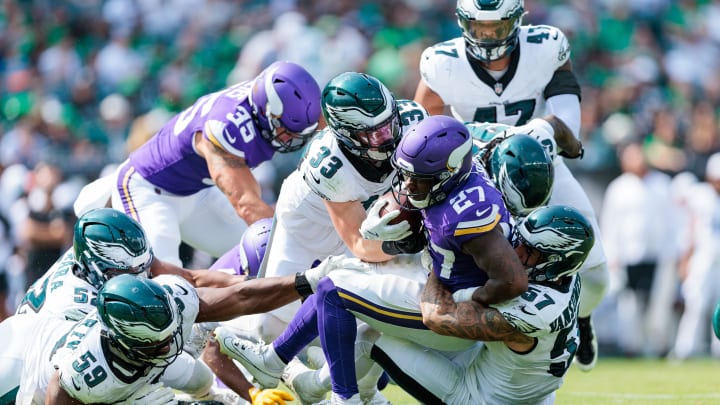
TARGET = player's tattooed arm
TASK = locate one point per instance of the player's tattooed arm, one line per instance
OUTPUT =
(469, 319)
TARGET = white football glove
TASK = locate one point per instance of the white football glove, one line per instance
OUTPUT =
(464, 295)
(314, 275)
(151, 394)
(376, 227)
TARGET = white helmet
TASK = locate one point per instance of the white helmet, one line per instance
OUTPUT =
(490, 27)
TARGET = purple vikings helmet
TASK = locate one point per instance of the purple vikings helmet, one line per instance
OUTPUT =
(436, 150)
(286, 100)
(246, 257)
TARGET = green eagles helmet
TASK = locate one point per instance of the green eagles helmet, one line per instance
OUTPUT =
(562, 234)
(106, 242)
(363, 115)
(143, 321)
(524, 173)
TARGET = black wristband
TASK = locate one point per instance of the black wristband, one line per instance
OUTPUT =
(302, 286)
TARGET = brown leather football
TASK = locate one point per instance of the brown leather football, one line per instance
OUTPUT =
(411, 215)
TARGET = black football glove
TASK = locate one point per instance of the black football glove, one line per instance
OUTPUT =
(412, 244)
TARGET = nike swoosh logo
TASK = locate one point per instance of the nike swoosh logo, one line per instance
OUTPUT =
(315, 179)
(484, 212)
(556, 36)
(184, 290)
(75, 384)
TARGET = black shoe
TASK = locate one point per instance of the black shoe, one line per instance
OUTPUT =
(587, 352)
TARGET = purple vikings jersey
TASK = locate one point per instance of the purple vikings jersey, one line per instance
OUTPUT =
(468, 211)
(169, 160)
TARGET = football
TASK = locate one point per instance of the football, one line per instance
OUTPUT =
(411, 215)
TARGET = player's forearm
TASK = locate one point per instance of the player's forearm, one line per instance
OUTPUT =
(444, 316)
(224, 368)
(369, 251)
(217, 279)
(564, 137)
(497, 291)
(246, 298)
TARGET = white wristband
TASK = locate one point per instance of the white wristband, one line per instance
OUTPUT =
(464, 295)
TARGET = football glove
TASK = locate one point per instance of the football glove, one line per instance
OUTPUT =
(411, 244)
(376, 227)
(331, 263)
(270, 396)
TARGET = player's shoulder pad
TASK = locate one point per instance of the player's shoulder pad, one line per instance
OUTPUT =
(180, 289)
(436, 61)
(554, 45)
(224, 135)
(325, 169)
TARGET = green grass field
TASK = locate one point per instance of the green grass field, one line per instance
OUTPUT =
(632, 382)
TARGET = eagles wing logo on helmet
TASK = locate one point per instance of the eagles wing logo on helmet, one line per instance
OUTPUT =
(356, 117)
(549, 238)
(118, 253)
(143, 332)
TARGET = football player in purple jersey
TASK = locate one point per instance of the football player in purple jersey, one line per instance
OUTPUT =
(468, 232)
(502, 71)
(192, 181)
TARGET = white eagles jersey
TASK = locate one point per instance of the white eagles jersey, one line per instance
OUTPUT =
(325, 173)
(517, 97)
(78, 353)
(60, 293)
(547, 313)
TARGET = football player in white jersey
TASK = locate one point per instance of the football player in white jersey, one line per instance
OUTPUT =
(322, 204)
(502, 71)
(110, 353)
(107, 243)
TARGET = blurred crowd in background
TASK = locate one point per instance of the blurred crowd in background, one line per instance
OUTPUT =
(84, 82)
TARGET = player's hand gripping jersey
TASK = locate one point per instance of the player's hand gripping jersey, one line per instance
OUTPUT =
(520, 93)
